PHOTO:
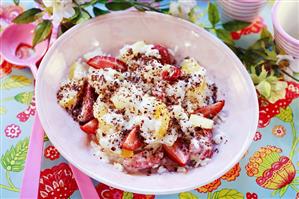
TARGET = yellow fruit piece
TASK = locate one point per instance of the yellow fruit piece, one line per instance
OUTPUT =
(68, 103)
(125, 98)
(199, 121)
(197, 94)
(191, 66)
(121, 101)
(72, 71)
(162, 114)
(69, 92)
(99, 110)
(126, 153)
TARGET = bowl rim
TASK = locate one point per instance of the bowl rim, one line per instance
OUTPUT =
(278, 27)
(242, 70)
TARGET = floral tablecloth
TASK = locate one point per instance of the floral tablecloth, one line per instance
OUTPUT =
(269, 169)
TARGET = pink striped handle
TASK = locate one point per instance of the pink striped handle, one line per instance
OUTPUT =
(31, 176)
(30, 183)
(84, 183)
(86, 187)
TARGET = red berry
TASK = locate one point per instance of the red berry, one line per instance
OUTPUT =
(171, 75)
(166, 57)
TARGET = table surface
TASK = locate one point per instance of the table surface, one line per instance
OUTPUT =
(279, 138)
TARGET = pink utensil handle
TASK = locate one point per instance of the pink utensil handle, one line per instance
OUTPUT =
(31, 176)
(85, 184)
(33, 69)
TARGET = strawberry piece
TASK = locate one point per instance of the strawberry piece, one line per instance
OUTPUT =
(89, 98)
(177, 152)
(173, 75)
(99, 62)
(90, 127)
(142, 160)
(166, 57)
(211, 110)
(196, 145)
(132, 142)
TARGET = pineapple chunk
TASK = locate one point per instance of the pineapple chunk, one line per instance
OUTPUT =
(191, 66)
(99, 110)
(127, 98)
(162, 114)
(197, 120)
(69, 92)
(197, 94)
(126, 153)
(138, 46)
(121, 99)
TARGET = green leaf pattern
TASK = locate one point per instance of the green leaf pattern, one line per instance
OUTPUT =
(285, 115)
(187, 195)
(15, 81)
(14, 158)
(227, 194)
(24, 97)
(127, 195)
(2, 110)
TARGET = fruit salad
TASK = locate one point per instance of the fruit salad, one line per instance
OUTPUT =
(145, 111)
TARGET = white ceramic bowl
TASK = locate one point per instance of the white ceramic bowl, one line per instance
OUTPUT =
(244, 10)
(286, 32)
(111, 32)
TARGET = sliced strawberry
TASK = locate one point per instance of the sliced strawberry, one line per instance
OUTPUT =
(132, 142)
(99, 62)
(89, 98)
(142, 160)
(196, 145)
(166, 57)
(171, 75)
(178, 153)
(211, 110)
(90, 127)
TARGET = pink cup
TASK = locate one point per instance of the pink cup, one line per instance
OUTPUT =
(285, 17)
(244, 10)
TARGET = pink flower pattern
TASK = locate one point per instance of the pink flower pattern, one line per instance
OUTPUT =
(12, 131)
(30, 111)
(257, 136)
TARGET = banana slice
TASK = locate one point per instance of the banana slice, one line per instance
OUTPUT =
(199, 121)
(161, 114)
(197, 95)
(127, 98)
(99, 111)
(191, 66)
